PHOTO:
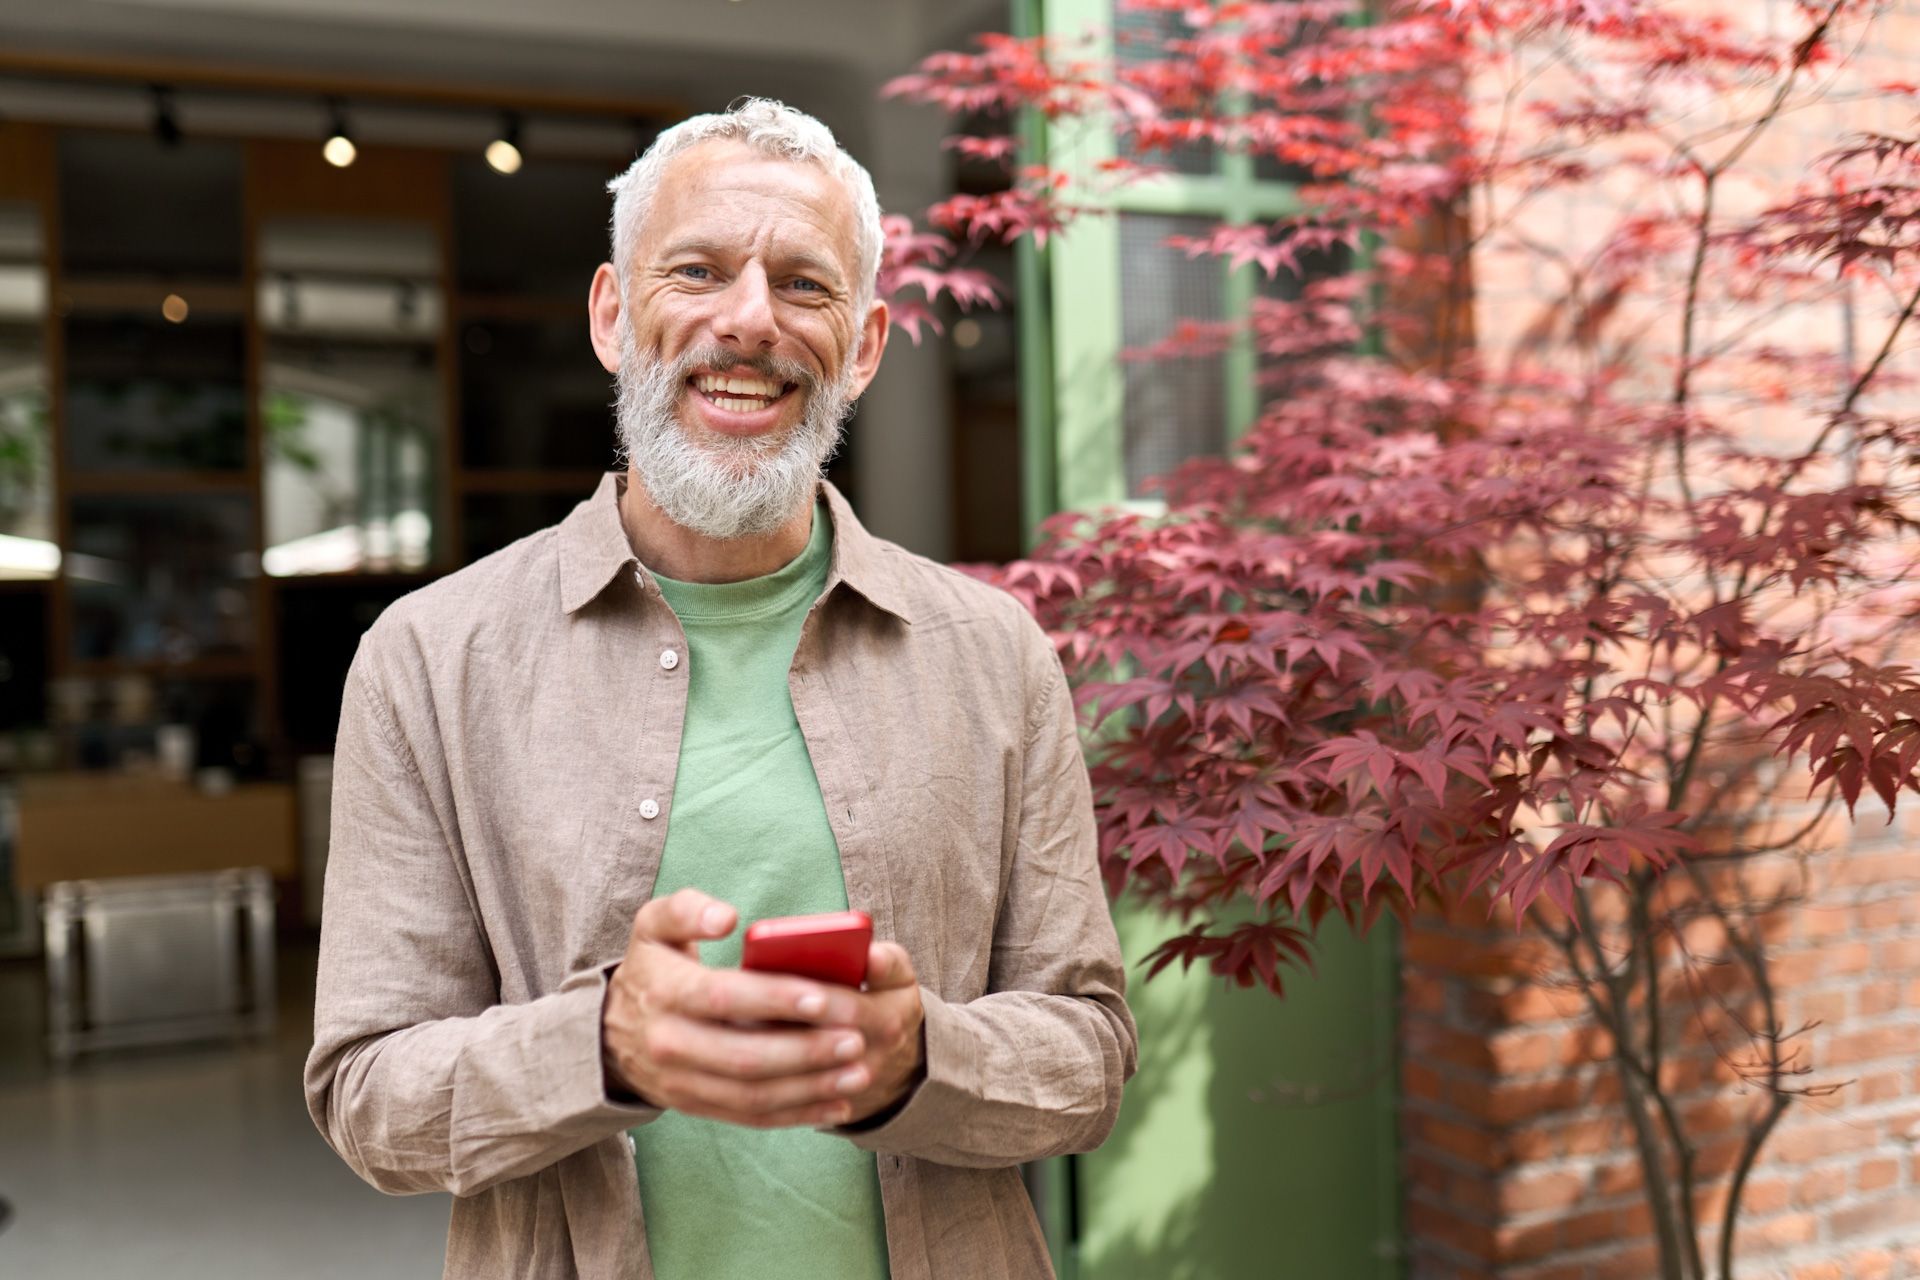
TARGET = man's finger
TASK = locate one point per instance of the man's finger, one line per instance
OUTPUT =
(756, 1054)
(889, 966)
(686, 916)
(740, 1101)
(741, 995)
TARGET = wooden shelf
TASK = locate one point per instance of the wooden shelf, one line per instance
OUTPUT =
(120, 297)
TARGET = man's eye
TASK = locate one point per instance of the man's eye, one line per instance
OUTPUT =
(696, 273)
(805, 285)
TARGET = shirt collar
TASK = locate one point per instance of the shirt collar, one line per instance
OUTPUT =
(594, 550)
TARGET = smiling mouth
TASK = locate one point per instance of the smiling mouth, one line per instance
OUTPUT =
(737, 394)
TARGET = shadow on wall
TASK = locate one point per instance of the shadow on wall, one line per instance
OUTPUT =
(1257, 1138)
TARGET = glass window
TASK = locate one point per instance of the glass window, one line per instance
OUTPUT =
(146, 393)
(492, 520)
(23, 658)
(533, 395)
(319, 627)
(541, 231)
(350, 409)
(161, 578)
(1171, 409)
(133, 207)
(1140, 37)
(28, 548)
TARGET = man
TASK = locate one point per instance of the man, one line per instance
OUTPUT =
(568, 774)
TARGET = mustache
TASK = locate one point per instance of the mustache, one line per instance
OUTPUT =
(723, 360)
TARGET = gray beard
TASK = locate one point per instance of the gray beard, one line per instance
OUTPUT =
(716, 485)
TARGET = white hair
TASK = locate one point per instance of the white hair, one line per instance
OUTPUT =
(773, 129)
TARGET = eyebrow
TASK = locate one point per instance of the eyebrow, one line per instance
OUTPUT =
(800, 260)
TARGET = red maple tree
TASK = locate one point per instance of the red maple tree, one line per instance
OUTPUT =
(1557, 622)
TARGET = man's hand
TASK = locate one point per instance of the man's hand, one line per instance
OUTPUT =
(669, 1031)
(890, 1020)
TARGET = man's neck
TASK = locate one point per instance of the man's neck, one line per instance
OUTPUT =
(679, 553)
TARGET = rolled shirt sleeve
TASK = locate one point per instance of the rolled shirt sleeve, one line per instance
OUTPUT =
(418, 1077)
(1035, 1067)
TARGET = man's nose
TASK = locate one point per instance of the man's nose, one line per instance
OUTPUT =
(744, 316)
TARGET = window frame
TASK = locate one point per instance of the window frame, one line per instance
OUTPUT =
(1079, 443)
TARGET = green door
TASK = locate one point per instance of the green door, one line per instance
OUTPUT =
(1258, 1139)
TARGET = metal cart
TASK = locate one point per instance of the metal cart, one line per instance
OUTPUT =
(158, 959)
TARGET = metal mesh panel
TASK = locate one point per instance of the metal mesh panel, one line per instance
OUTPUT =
(1172, 410)
(1285, 286)
(1140, 35)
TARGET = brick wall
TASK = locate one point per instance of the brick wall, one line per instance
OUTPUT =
(1518, 1157)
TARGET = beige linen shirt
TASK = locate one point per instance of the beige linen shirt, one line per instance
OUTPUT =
(502, 788)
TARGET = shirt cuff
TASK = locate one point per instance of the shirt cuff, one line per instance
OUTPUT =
(599, 1103)
(537, 1092)
(927, 1119)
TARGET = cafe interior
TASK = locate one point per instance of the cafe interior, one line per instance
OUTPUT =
(279, 343)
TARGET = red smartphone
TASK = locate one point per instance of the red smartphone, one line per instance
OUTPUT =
(831, 947)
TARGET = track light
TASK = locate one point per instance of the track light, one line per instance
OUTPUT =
(338, 149)
(166, 127)
(503, 153)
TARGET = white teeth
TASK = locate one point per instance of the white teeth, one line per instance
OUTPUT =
(733, 405)
(714, 384)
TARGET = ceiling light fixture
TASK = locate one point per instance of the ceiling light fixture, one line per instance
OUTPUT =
(503, 153)
(166, 127)
(338, 149)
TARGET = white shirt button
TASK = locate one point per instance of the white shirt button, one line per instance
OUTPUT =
(649, 809)
(669, 659)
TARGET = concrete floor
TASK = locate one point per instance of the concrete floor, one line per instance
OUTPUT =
(187, 1162)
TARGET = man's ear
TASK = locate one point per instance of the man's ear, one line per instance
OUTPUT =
(603, 316)
(873, 345)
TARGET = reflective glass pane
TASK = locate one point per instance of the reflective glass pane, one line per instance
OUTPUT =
(113, 722)
(350, 390)
(1172, 409)
(533, 396)
(135, 208)
(318, 631)
(541, 231)
(491, 520)
(27, 543)
(161, 578)
(23, 658)
(145, 393)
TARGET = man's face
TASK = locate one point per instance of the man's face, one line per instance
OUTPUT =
(737, 343)
(757, 257)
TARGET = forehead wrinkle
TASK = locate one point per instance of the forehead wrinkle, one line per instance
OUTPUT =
(765, 196)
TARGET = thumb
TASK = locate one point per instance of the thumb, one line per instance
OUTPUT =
(683, 917)
(889, 966)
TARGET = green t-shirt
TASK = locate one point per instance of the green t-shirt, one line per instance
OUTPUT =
(748, 826)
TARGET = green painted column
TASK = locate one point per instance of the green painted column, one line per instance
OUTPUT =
(1257, 1140)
